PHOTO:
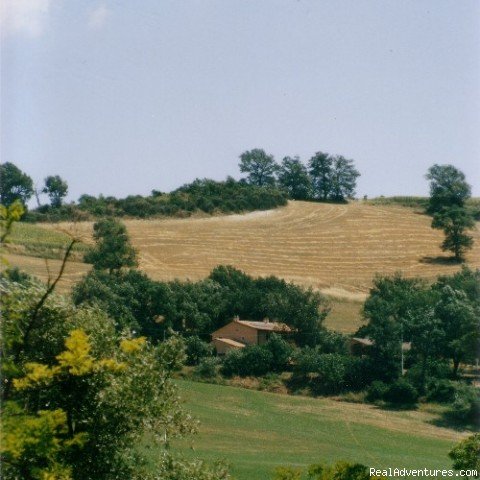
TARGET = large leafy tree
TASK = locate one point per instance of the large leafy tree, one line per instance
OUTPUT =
(333, 177)
(14, 185)
(344, 179)
(113, 250)
(455, 221)
(294, 178)
(448, 187)
(56, 188)
(459, 320)
(259, 166)
(320, 169)
(388, 310)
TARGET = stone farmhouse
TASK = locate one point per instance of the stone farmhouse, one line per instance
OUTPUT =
(240, 333)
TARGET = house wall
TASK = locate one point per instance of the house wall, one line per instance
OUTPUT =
(237, 331)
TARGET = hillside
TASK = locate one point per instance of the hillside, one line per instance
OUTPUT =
(250, 430)
(335, 248)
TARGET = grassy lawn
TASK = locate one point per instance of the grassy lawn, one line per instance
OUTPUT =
(256, 431)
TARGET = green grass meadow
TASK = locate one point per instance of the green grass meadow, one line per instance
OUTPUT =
(42, 242)
(257, 431)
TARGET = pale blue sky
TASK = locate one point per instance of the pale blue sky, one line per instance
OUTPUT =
(122, 97)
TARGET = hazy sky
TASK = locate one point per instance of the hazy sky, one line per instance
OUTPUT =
(122, 97)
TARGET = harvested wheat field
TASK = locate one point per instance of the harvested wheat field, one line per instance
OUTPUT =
(335, 248)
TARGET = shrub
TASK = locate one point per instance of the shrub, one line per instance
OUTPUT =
(376, 391)
(256, 361)
(232, 363)
(442, 391)
(331, 374)
(281, 352)
(207, 367)
(196, 350)
(466, 404)
(401, 393)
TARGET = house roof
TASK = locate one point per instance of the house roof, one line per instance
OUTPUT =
(266, 326)
(229, 341)
(367, 342)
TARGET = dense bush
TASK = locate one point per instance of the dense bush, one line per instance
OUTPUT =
(376, 391)
(466, 404)
(196, 350)
(252, 360)
(281, 352)
(207, 367)
(205, 195)
(401, 393)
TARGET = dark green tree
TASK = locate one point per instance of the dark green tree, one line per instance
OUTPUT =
(56, 188)
(448, 188)
(14, 185)
(320, 169)
(343, 179)
(294, 178)
(333, 177)
(459, 320)
(113, 250)
(454, 221)
(388, 309)
(259, 166)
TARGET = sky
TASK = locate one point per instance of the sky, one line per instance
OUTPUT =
(122, 97)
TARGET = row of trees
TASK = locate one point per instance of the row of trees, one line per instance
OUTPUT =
(325, 177)
(17, 185)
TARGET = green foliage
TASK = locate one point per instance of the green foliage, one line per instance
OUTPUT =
(287, 473)
(197, 350)
(454, 221)
(333, 177)
(460, 321)
(401, 393)
(466, 454)
(112, 251)
(339, 471)
(202, 195)
(322, 373)
(56, 188)
(465, 407)
(281, 352)
(376, 391)
(85, 396)
(387, 309)
(259, 166)
(448, 188)
(8, 216)
(14, 185)
(294, 178)
(207, 367)
(252, 360)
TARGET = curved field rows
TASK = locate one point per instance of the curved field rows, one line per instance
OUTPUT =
(336, 248)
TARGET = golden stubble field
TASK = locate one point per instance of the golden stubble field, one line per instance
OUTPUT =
(335, 248)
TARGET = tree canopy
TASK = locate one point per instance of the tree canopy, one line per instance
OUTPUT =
(293, 177)
(259, 166)
(333, 177)
(448, 187)
(113, 250)
(56, 188)
(14, 185)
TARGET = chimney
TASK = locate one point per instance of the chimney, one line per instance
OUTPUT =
(266, 320)
(236, 318)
